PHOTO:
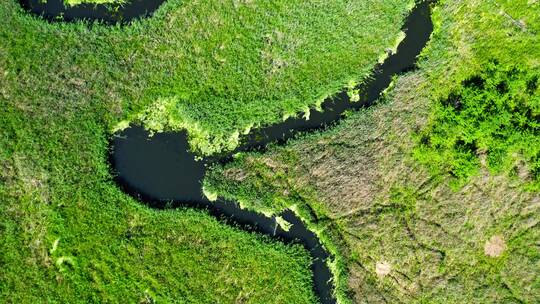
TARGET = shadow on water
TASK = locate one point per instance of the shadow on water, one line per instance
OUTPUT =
(163, 173)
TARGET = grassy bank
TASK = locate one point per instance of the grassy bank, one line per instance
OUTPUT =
(432, 195)
(69, 235)
(216, 68)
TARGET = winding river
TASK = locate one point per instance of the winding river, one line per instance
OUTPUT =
(161, 171)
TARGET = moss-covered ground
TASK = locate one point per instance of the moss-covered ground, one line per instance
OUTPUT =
(67, 232)
(430, 196)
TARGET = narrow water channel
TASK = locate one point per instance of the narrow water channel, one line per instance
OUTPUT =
(161, 171)
(56, 10)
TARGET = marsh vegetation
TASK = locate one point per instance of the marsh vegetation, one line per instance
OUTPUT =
(68, 231)
(431, 195)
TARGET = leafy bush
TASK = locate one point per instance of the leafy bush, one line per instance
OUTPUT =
(494, 114)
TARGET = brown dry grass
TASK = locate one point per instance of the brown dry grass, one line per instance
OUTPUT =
(389, 209)
(407, 234)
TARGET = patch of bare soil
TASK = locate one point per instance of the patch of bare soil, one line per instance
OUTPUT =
(495, 246)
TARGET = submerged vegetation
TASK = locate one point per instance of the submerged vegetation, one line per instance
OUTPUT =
(430, 196)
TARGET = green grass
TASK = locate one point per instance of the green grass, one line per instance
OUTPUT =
(219, 67)
(424, 180)
(68, 234)
(56, 189)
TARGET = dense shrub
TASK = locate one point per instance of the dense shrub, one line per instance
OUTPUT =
(496, 115)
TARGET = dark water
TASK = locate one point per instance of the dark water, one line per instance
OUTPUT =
(55, 10)
(161, 172)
